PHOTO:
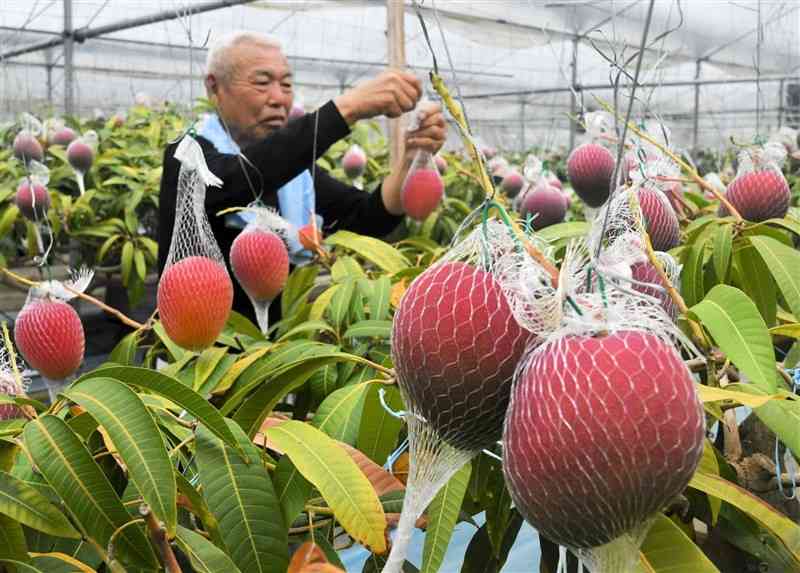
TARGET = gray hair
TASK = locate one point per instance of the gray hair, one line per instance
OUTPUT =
(218, 59)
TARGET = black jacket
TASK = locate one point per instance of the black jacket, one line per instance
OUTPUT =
(277, 159)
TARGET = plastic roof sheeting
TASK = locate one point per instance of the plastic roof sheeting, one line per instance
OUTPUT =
(497, 46)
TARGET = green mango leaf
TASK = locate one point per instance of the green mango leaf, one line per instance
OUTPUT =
(755, 280)
(692, 286)
(339, 414)
(57, 562)
(12, 540)
(340, 302)
(204, 555)
(69, 469)
(442, 517)
(240, 324)
(26, 505)
(320, 305)
(337, 477)
(784, 528)
(346, 267)
(377, 437)
(172, 390)
(380, 300)
(790, 330)
(138, 441)
(737, 327)
(200, 509)
(22, 566)
(570, 230)
(292, 488)
(723, 246)
(784, 264)
(370, 329)
(127, 262)
(323, 382)
(315, 326)
(125, 351)
(207, 363)
(297, 286)
(780, 416)
(667, 549)
(241, 496)
(7, 219)
(381, 254)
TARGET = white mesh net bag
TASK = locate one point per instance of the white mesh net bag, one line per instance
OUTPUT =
(760, 191)
(12, 384)
(457, 336)
(604, 428)
(195, 292)
(49, 333)
(260, 260)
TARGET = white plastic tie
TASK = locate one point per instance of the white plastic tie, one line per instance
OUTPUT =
(190, 154)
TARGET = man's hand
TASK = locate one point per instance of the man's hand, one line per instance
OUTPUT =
(431, 133)
(392, 93)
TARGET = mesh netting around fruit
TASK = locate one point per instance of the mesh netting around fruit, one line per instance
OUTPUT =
(191, 234)
(260, 259)
(195, 292)
(457, 336)
(604, 426)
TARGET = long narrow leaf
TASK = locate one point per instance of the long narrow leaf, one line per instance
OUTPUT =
(241, 496)
(205, 556)
(27, 506)
(338, 479)
(137, 439)
(87, 494)
(442, 516)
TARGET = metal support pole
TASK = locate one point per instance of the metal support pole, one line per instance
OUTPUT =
(696, 115)
(780, 104)
(69, 72)
(48, 59)
(573, 100)
(395, 38)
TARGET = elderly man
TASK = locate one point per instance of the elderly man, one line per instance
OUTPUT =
(253, 148)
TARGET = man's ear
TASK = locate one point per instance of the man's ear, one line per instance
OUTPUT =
(212, 85)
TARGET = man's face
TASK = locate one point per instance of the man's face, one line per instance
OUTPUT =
(255, 99)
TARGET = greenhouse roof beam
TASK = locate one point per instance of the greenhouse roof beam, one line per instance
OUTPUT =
(83, 34)
(714, 51)
(598, 87)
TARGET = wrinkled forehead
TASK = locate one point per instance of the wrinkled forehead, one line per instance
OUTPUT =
(251, 60)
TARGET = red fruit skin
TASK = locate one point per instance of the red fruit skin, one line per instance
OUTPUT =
(354, 164)
(660, 220)
(260, 263)
(546, 204)
(33, 201)
(80, 156)
(645, 272)
(27, 148)
(512, 184)
(422, 193)
(49, 335)
(63, 137)
(601, 433)
(194, 300)
(455, 345)
(760, 195)
(590, 168)
(310, 237)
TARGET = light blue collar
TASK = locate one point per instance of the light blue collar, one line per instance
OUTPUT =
(296, 199)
